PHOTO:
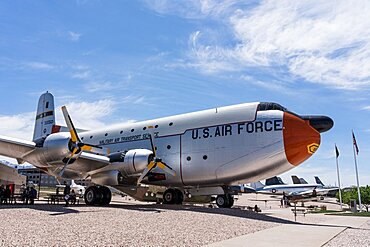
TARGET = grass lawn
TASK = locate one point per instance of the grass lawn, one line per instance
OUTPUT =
(362, 214)
(324, 211)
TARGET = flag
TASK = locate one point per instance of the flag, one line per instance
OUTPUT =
(355, 143)
(336, 151)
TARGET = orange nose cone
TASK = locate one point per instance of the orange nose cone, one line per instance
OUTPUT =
(300, 139)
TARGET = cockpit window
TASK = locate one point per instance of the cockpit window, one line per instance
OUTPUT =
(266, 106)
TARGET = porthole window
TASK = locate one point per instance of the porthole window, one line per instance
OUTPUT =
(155, 148)
(91, 137)
(156, 126)
(106, 134)
(82, 138)
(144, 128)
(121, 132)
(168, 146)
(205, 157)
(188, 158)
(132, 130)
(170, 124)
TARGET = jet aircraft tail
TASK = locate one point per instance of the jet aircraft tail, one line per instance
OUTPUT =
(274, 181)
(45, 118)
(296, 180)
(303, 181)
(257, 185)
(73, 184)
(318, 181)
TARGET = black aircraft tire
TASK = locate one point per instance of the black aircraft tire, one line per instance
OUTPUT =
(222, 201)
(91, 196)
(231, 201)
(180, 196)
(170, 196)
(106, 196)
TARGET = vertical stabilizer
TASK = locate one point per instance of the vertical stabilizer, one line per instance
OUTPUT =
(45, 117)
(318, 181)
(257, 185)
(295, 179)
(274, 181)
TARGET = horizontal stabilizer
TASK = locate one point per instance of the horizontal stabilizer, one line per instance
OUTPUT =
(59, 128)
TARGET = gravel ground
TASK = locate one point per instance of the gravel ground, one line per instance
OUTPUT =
(352, 237)
(125, 224)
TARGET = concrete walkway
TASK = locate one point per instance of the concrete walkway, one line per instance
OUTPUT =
(296, 234)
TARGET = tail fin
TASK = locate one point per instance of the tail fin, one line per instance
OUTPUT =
(318, 181)
(45, 117)
(295, 179)
(303, 181)
(274, 181)
(73, 183)
(257, 185)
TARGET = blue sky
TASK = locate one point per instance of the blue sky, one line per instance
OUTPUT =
(119, 61)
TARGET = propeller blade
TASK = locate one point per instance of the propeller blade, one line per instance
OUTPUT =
(71, 127)
(151, 136)
(148, 169)
(166, 168)
(95, 149)
(69, 160)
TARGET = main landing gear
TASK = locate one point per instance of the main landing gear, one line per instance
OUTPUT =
(173, 196)
(225, 201)
(97, 195)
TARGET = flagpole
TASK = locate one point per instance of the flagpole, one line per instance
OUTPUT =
(358, 183)
(340, 192)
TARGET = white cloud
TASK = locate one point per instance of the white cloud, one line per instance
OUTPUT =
(18, 126)
(39, 66)
(85, 115)
(194, 9)
(89, 115)
(319, 41)
(82, 74)
(73, 36)
(92, 87)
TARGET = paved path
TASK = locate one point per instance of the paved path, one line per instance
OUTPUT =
(296, 234)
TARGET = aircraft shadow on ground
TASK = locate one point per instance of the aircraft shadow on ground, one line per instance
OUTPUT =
(54, 209)
(59, 209)
(235, 212)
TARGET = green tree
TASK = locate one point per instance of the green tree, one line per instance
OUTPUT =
(352, 194)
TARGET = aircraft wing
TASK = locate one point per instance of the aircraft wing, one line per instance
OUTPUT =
(15, 148)
(88, 162)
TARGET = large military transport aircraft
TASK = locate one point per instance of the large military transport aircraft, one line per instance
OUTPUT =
(200, 153)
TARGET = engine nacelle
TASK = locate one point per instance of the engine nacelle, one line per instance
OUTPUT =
(57, 147)
(110, 178)
(132, 162)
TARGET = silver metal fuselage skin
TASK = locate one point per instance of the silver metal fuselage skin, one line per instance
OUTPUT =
(222, 146)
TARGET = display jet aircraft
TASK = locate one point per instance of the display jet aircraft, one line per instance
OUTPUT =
(203, 152)
(275, 185)
(321, 190)
(295, 191)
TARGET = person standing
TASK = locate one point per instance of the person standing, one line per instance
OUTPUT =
(2, 194)
(67, 191)
(7, 194)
